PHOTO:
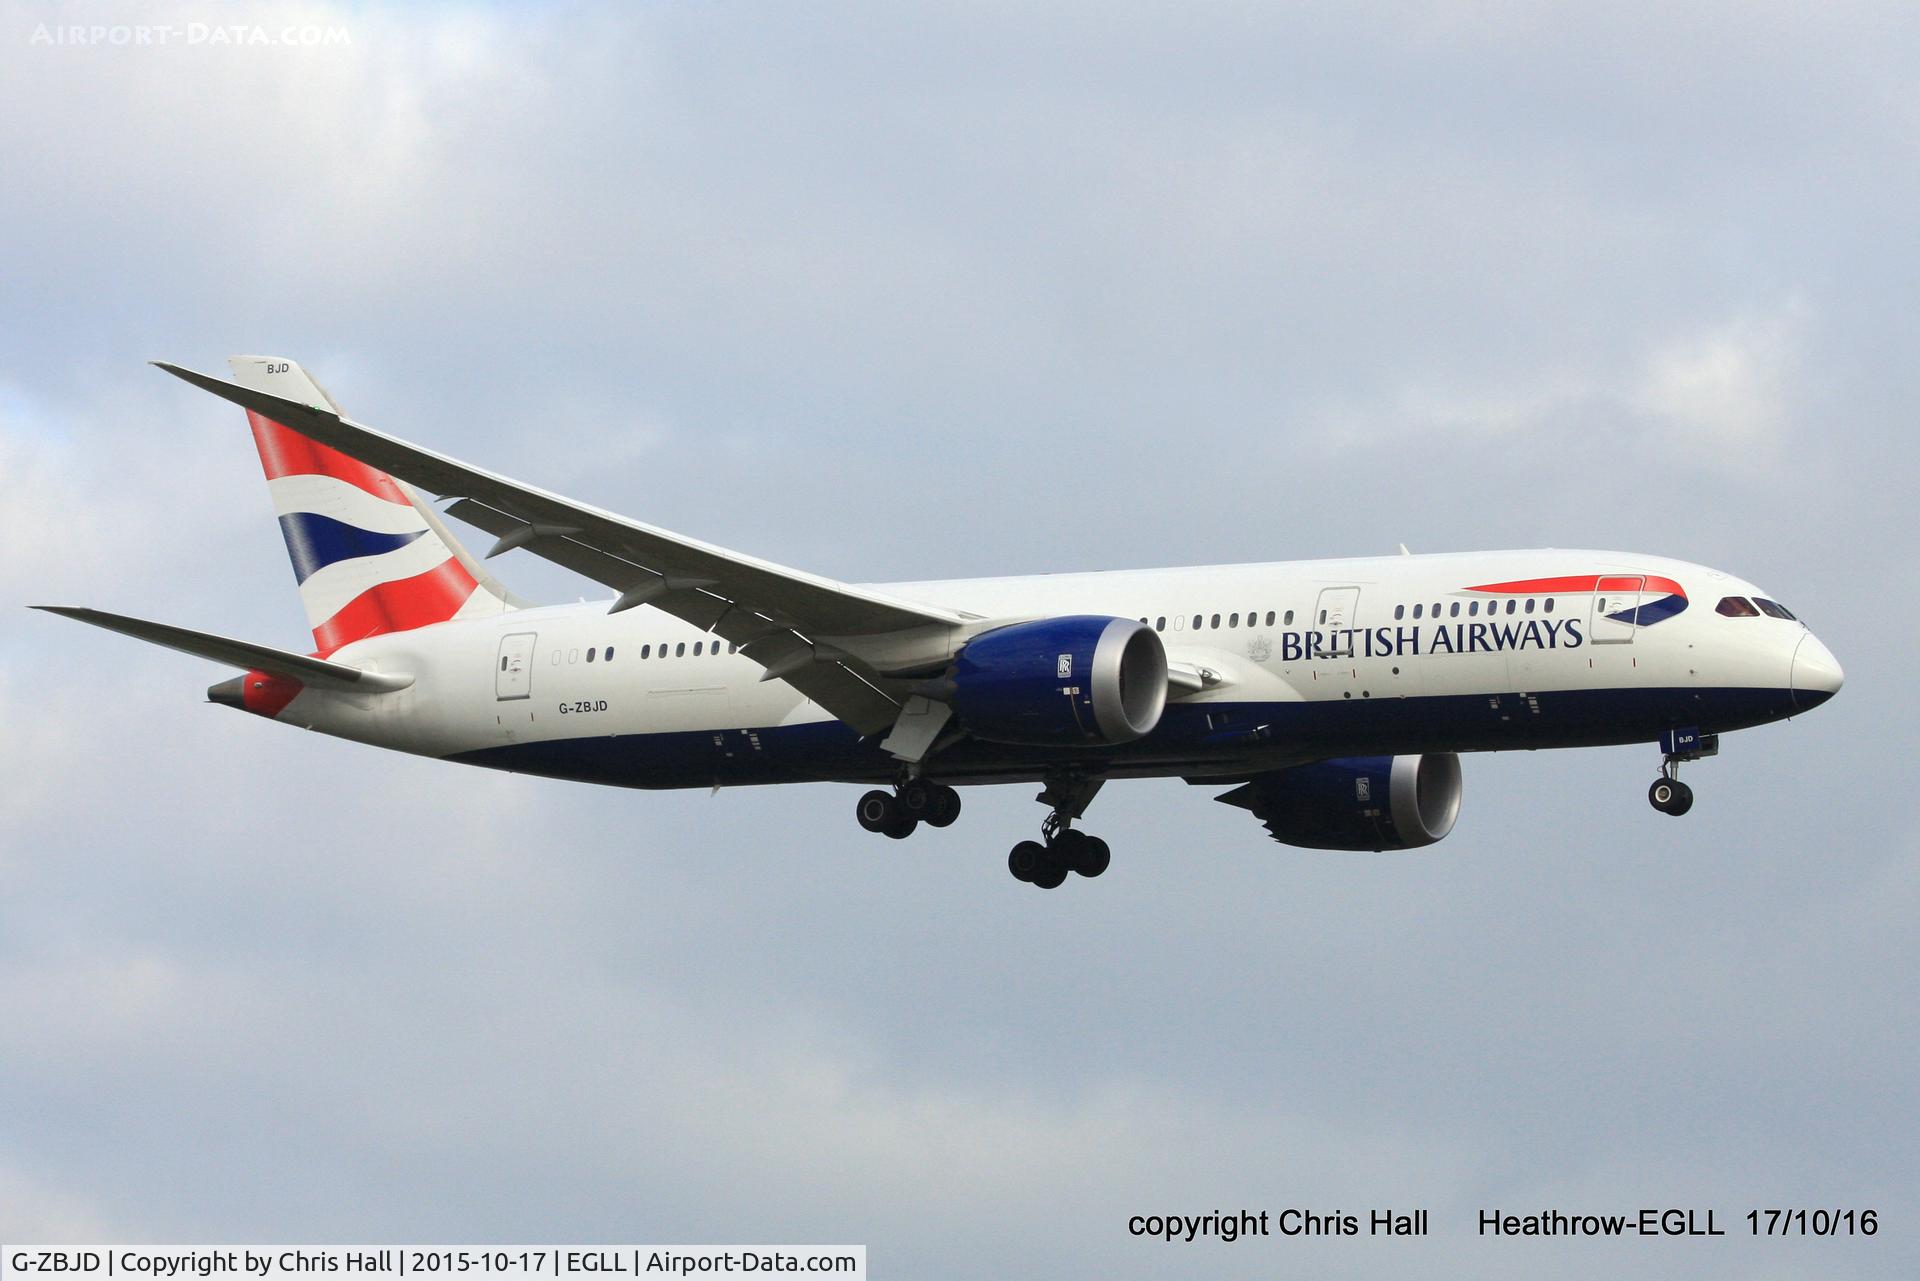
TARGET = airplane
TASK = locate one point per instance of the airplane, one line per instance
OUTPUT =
(1333, 698)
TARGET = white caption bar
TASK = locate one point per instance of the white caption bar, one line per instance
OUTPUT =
(427, 1262)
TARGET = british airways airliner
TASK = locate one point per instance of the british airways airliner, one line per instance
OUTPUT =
(1331, 698)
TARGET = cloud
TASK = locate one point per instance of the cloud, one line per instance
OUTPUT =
(1725, 396)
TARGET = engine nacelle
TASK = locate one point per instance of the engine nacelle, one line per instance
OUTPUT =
(1358, 802)
(1062, 681)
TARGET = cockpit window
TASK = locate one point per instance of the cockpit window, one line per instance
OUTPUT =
(1736, 607)
(1773, 608)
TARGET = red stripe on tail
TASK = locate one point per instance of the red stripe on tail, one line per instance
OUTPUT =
(284, 452)
(399, 606)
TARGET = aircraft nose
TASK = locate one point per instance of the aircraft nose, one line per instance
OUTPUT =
(1816, 673)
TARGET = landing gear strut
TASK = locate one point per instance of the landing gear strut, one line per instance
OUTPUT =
(915, 801)
(1062, 848)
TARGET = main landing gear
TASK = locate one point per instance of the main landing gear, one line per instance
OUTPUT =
(1061, 849)
(1668, 794)
(915, 801)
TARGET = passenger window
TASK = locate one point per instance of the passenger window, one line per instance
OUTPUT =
(696, 648)
(590, 654)
(1473, 609)
(1216, 622)
(1529, 604)
(731, 648)
(1399, 612)
(1289, 618)
(1323, 616)
(503, 662)
(608, 656)
(646, 651)
(1269, 618)
(1773, 608)
(1418, 610)
(1199, 621)
(1233, 620)
(1736, 607)
(1160, 623)
(1548, 607)
(1512, 605)
(680, 650)
(1453, 610)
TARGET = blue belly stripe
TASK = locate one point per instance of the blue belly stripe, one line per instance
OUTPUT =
(1193, 740)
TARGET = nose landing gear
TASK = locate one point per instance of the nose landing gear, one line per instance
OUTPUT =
(1668, 794)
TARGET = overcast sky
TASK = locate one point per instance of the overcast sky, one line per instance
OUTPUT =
(895, 293)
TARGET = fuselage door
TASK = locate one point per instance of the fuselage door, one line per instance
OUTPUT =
(1616, 606)
(513, 674)
(1333, 617)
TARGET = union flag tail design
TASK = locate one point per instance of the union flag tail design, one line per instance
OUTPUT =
(369, 556)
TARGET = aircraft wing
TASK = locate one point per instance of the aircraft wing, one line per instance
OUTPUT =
(773, 613)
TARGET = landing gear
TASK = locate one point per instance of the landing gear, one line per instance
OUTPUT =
(1063, 849)
(898, 813)
(1670, 796)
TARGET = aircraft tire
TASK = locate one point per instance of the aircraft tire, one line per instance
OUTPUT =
(946, 806)
(1670, 796)
(877, 810)
(1092, 858)
(1051, 872)
(1025, 858)
(1682, 799)
(918, 798)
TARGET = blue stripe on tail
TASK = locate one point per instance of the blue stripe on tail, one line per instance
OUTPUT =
(315, 542)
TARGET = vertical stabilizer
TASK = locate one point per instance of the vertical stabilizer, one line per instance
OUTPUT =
(368, 554)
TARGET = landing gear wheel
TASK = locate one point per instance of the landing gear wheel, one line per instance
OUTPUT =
(1051, 871)
(1670, 796)
(946, 806)
(918, 797)
(1025, 858)
(901, 827)
(1682, 799)
(1092, 857)
(877, 810)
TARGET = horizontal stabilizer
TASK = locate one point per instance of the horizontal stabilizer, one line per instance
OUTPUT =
(316, 672)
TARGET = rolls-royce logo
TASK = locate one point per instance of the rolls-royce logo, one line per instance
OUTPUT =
(1260, 648)
(1064, 667)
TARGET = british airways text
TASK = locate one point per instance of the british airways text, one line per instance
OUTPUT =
(1448, 638)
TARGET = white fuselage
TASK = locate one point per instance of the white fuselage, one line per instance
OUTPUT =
(1296, 660)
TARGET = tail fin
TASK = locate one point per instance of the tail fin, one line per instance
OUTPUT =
(369, 556)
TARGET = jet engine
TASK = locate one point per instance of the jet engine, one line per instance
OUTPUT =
(1358, 802)
(1081, 679)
